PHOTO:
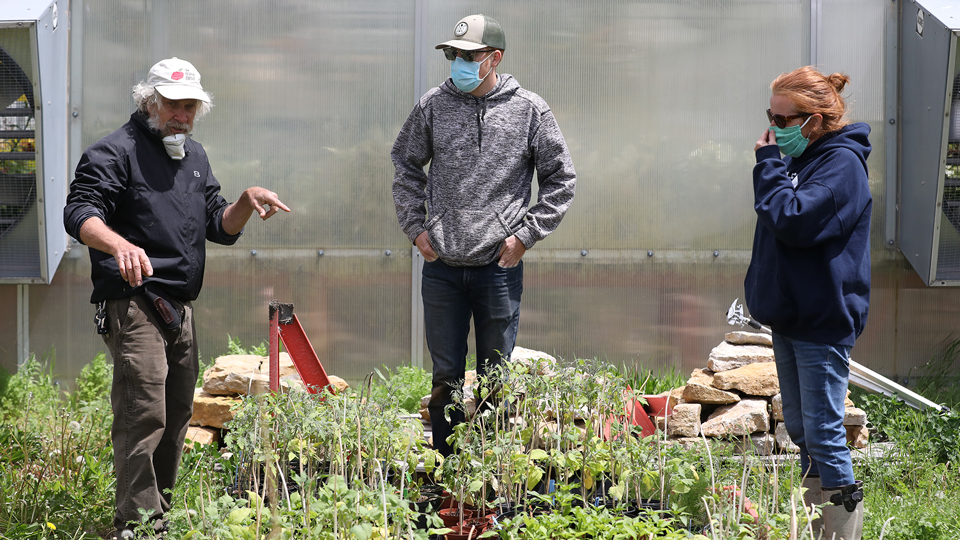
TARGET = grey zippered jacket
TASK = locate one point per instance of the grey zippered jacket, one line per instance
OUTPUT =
(482, 154)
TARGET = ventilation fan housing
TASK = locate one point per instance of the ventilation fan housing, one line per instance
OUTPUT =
(929, 197)
(33, 138)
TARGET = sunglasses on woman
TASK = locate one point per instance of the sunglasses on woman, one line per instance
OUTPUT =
(781, 121)
(451, 54)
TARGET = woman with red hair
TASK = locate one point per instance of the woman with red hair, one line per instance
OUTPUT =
(809, 276)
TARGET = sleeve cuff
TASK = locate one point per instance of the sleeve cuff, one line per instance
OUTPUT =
(770, 151)
(526, 237)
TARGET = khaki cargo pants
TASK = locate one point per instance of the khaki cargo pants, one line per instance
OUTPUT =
(154, 376)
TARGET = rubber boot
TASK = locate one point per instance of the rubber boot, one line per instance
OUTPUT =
(813, 497)
(843, 514)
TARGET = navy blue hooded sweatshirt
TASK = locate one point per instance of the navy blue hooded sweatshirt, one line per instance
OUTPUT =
(809, 277)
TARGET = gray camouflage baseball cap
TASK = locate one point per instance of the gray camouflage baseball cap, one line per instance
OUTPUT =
(475, 32)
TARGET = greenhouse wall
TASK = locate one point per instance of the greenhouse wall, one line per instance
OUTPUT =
(660, 102)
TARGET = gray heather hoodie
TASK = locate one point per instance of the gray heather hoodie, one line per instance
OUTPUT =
(482, 154)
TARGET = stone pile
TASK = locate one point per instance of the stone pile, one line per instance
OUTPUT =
(229, 379)
(738, 396)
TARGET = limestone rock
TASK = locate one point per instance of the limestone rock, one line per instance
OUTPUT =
(685, 420)
(760, 444)
(784, 442)
(676, 396)
(853, 416)
(210, 410)
(337, 383)
(202, 435)
(544, 363)
(749, 338)
(232, 367)
(245, 373)
(742, 418)
(725, 356)
(858, 436)
(701, 376)
(698, 393)
(777, 405)
(751, 379)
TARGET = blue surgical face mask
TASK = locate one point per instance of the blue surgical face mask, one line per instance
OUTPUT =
(466, 75)
(790, 139)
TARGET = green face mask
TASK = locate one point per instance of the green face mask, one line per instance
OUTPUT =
(790, 140)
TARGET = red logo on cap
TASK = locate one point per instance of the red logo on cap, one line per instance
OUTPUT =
(176, 75)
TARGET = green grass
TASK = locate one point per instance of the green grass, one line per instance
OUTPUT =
(57, 478)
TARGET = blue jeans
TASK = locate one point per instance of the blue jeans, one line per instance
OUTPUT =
(451, 295)
(813, 384)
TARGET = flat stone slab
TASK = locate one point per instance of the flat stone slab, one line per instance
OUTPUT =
(701, 376)
(749, 338)
(737, 420)
(699, 393)
(853, 416)
(725, 356)
(752, 379)
(212, 411)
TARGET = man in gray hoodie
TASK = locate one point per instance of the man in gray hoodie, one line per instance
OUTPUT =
(484, 137)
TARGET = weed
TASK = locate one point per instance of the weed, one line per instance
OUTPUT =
(403, 387)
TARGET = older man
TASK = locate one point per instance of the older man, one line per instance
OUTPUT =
(484, 137)
(145, 200)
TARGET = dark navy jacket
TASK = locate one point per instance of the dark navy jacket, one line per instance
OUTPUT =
(166, 207)
(809, 277)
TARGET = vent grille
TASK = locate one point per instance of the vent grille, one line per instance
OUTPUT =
(18, 171)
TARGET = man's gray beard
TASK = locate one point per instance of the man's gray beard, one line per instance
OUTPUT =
(153, 120)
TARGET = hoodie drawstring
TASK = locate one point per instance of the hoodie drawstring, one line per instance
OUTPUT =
(480, 105)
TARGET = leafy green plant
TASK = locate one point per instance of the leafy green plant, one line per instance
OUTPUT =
(939, 379)
(403, 387)
(56, 461)
(234, 346)
(94, 382)
(646, 381)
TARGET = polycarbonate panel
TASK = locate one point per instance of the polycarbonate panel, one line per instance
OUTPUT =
(846, 26)
(347, 303)
(654, 311)
(661, 103)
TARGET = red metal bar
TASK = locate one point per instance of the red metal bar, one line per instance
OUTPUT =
(304, 357)
(285, 324)
(274, 346)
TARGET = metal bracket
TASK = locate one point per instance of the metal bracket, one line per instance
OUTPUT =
(286, 327)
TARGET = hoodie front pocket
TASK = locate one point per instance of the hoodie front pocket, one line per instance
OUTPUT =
(467, 237)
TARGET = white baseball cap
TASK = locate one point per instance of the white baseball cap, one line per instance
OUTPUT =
(176, 79)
